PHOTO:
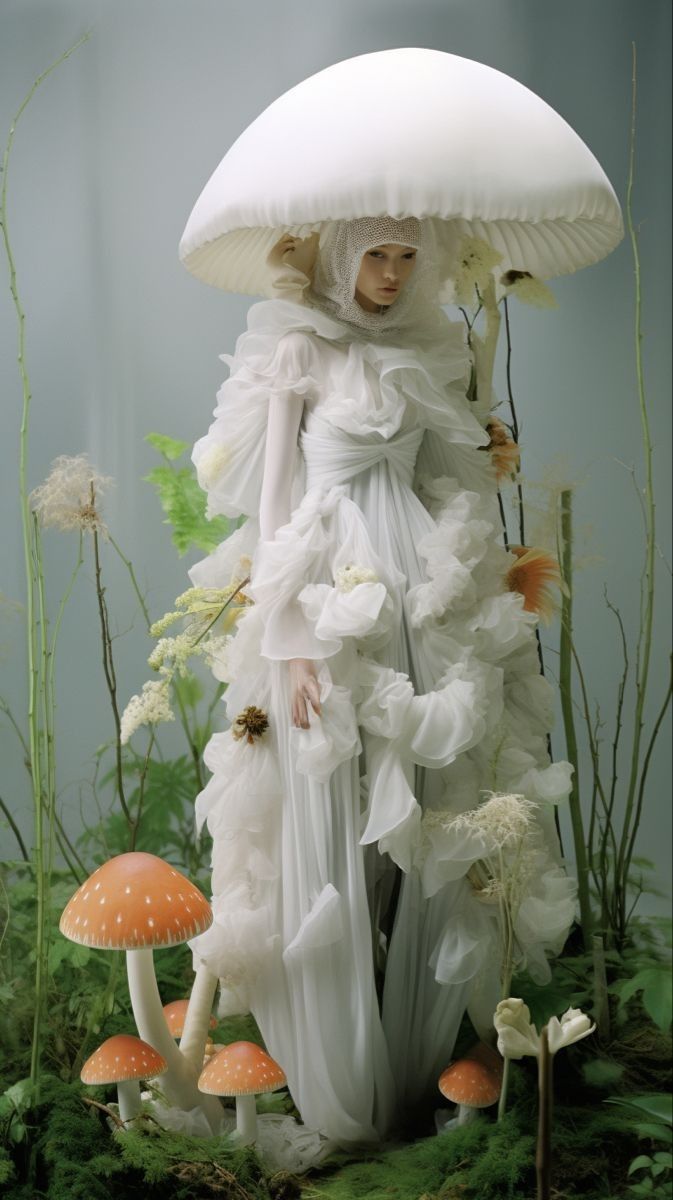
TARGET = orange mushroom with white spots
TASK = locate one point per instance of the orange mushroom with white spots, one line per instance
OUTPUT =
(472, 1083)
(243, 1070)
(124, 1059)
(136, 902)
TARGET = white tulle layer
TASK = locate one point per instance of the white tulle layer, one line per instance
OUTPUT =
(430, 694)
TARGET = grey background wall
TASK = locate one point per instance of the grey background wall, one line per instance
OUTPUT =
(107, 163)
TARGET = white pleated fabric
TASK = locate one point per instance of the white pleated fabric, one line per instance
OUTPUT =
(406, 133)
(389, 575)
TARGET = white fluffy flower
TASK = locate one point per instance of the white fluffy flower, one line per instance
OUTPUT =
(516, 1033)
(505, 819)
(67, 498)
(149, 708)
(348, 577)
(171, 654)
(572, 1027)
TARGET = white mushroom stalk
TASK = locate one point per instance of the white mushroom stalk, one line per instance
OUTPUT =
(246, 1120)
(197, 1020)
(179, 1082)
(128, 1096)
(136, 902)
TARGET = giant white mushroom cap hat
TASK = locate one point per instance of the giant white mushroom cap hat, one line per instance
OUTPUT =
(406, 132)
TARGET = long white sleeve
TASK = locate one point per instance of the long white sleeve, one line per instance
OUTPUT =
(285, 413)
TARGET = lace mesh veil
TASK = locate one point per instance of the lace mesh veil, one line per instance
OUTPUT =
(342, 245)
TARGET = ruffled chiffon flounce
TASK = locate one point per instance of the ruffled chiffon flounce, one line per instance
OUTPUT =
(390, 576)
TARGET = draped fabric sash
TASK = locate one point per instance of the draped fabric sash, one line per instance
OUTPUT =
(334, 456)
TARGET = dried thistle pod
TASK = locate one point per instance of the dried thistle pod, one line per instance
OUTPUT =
(250, 724)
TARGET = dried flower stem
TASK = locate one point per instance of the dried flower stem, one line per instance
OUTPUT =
(110, 679)
(514, 419)
(36, 681)
(134, 581)
(565, 685)
(15, 830)
(634, 792)
(142, 780)
(70, 855)
(611, 866)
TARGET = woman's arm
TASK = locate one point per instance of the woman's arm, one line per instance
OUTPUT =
(285, 415)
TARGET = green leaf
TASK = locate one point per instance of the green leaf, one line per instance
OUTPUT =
(185, 506)
(18, 1097)
(655, 1104)
(665, 1157)
(171, 448)
(656, 984)
(643, 1160)
(656, 1133)
(658, 996)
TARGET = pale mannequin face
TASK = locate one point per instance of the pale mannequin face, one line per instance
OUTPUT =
(384, 270)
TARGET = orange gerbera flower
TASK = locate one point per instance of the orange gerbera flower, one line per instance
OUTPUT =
(503, 450)
(532, 575)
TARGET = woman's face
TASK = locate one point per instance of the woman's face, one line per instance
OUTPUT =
(384, 270)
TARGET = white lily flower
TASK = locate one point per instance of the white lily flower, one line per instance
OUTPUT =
(516, 1033)
(572, 1027)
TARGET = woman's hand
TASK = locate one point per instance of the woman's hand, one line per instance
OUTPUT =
(304, 690)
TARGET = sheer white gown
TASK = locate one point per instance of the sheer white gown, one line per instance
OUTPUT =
(390, 576)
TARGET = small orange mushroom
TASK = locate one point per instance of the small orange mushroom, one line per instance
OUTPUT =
(124, 1059)
(175, 1014)
(243, 1070)
(471, 1085)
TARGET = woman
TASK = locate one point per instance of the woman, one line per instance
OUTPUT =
(382, 680)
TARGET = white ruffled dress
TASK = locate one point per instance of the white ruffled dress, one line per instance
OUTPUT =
(390, 576)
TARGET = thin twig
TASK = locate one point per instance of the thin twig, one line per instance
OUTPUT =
(648, 570)
(110, 675)
(515, 421)
(565, 683)
(15, 830)
(109, 1112)
(646, 765)
(141, 791)
(136, 587)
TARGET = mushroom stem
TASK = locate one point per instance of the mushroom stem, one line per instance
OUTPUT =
(246, 1120)
(466, 1114)
(197, 1020)
(128, 1094)
(179, 1082)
